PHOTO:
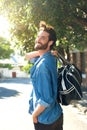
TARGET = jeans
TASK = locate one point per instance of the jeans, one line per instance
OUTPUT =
(57, 125)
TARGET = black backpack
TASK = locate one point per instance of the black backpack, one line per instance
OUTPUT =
(69, 83)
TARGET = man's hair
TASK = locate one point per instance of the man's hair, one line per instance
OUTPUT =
(49, 29)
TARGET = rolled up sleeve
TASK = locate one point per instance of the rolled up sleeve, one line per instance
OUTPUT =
(43, 103)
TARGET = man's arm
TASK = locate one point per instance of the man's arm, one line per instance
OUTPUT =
(31, 55)
(34, 54)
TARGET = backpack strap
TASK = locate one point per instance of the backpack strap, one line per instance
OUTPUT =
(62, 59)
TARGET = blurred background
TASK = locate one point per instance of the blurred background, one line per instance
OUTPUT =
(19, 20)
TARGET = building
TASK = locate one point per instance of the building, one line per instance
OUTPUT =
(80, 60)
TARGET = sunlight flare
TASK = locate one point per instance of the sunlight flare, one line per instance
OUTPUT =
(4, 27)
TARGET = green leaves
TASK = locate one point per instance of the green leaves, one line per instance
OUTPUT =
(5, 49)
(68, 17)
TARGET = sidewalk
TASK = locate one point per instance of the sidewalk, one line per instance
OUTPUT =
(14, 96)
(82, 105)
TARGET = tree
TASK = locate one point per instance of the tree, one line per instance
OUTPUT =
(22, 28)
(5, 49)
(68, 17)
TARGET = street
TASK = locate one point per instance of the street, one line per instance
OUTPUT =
(14, 95)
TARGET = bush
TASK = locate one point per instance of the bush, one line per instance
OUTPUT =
(27, 68)
(9, 66)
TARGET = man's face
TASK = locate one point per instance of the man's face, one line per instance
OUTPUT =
(42, 41)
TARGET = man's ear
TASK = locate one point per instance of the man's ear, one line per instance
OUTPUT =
(50, 43)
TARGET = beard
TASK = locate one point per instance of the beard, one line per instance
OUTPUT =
(40, 46)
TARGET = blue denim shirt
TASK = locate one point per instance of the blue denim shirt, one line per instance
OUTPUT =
(44, 81)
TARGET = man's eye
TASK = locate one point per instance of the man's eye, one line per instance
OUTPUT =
(43, 38)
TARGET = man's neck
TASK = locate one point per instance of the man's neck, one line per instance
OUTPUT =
(41, 52)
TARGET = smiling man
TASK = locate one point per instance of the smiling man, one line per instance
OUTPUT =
(46, 112)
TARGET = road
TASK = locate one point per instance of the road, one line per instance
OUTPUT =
(14, 95)
(73, 119)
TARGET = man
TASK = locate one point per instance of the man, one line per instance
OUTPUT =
(46, 112)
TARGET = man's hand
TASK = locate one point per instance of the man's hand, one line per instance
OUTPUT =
(39, 109)
(54, 52)
(35, 118)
